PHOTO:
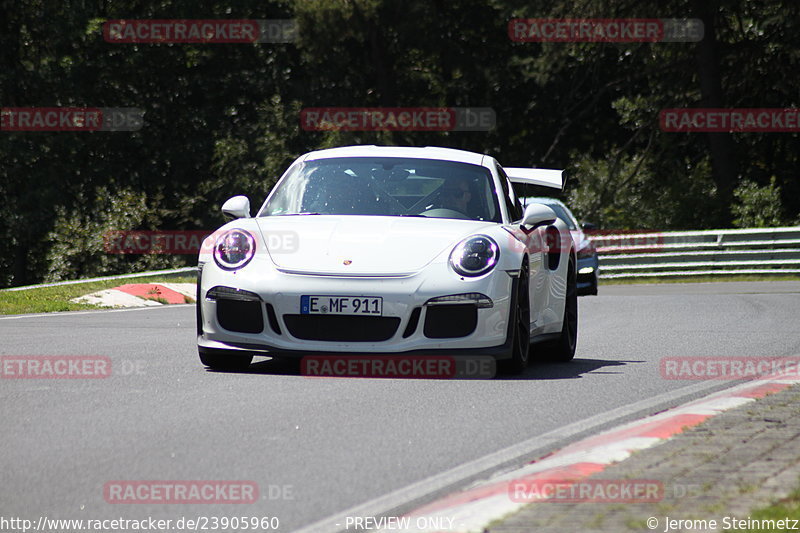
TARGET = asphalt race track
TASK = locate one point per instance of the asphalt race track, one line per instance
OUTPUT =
(317, 447)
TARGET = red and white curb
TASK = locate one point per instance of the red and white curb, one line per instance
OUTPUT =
(141, 295)
(472, 509)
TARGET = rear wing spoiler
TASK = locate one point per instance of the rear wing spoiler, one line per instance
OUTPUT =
(536, 176)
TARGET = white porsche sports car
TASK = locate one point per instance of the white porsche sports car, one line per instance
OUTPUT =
(390, 250)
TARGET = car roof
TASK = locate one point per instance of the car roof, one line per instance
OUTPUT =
(412, 152)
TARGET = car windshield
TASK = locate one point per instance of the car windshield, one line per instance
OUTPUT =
(560, 210)
(388, 187)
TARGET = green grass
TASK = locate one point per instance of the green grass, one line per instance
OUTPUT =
(788, 507)
(699, 279)
(53, 299)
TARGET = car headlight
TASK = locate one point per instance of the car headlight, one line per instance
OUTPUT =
(475, 256)
(234, 249)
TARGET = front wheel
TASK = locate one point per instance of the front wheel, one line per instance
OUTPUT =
(519, 326)
(563, 349)
(224, 360)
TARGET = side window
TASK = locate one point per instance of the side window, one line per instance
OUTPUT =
(512, 202)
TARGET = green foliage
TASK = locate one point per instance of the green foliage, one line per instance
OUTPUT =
(80, 242)
(758, 207)
(625, 192)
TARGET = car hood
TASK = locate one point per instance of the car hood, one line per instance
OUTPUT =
(360, 245)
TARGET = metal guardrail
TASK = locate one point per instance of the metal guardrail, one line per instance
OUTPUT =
(759, 251)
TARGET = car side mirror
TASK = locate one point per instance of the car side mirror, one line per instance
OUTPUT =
(237, 207)
(538, 215)
(588, 226)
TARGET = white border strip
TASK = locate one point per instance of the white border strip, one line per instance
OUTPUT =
(105, 278)
(445, 481)
(93, 311)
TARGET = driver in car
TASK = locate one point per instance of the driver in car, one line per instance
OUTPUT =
(456, 195)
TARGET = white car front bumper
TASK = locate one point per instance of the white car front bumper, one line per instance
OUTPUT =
(266, 319)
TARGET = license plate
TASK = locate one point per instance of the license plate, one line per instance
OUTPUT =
(341, 305)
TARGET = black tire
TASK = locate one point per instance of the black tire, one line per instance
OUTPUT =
(199, 303)
(562, 349)
(224, 360)
(519, 326)
(593, 286)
